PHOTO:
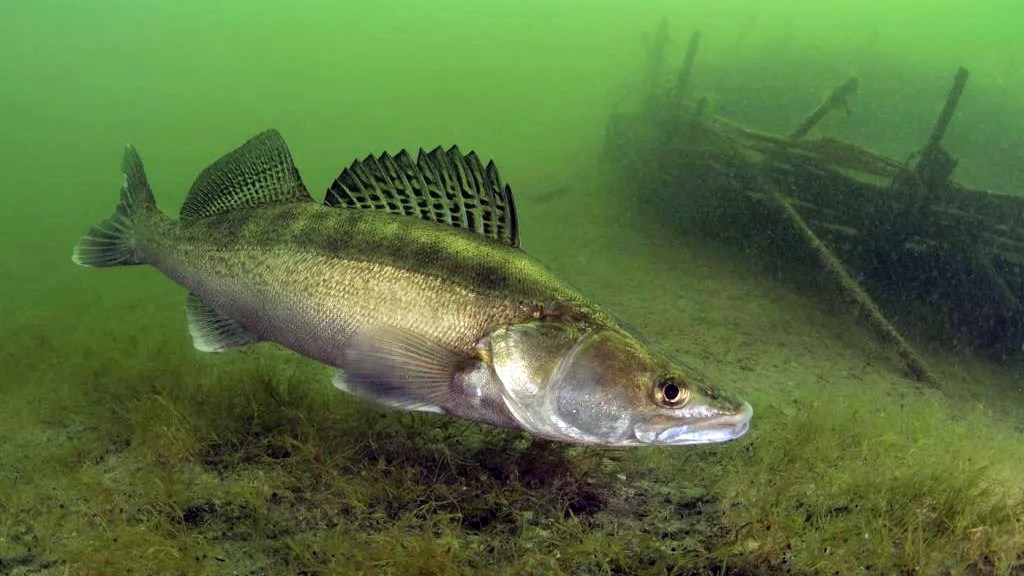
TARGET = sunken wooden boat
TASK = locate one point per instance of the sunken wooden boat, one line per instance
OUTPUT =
(935, 255)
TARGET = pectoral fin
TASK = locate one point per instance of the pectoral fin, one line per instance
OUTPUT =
(400, 369)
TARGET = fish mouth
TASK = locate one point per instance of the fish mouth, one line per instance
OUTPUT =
(719, 429)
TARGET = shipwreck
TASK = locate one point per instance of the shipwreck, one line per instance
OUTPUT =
(902, 239)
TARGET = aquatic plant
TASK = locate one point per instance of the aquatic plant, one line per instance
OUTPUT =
(255, 464)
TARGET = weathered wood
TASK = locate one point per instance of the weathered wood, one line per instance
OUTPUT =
(839, 98)
(935, 166)
(952, 100)
(922, 245)
(687, 69)
(883, 330)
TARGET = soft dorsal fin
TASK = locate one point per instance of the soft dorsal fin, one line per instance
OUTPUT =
(443, 187)
(256, 173)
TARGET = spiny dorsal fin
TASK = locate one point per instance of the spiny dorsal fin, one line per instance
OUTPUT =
(256, 173)
(212, 331)
(443, 187)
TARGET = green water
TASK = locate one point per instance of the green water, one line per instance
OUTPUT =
(122, 450)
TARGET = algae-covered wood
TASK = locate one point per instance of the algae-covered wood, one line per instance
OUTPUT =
(935, 253)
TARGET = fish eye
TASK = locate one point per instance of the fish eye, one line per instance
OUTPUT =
(670, 392)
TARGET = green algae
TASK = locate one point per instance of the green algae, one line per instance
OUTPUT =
(133, 454)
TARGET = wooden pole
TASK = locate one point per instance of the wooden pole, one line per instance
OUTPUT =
(935, 166)
(839, 98)
(952, 100)
(656, 47)
(687, 70)
(884, 331)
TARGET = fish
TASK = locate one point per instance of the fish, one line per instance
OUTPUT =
(410, 281)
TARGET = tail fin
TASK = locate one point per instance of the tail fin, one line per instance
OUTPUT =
(112, 242)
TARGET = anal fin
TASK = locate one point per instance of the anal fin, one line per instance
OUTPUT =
(212, 331)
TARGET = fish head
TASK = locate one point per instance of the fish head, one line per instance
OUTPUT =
(602, 385)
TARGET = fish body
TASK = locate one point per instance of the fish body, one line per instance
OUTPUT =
(283, 269)
(409, 280)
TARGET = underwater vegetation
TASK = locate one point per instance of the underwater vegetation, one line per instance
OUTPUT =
(126, 452)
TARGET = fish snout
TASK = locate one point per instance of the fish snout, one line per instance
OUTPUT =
(696, 429)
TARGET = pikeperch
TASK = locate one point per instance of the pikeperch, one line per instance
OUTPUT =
(409, 279)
